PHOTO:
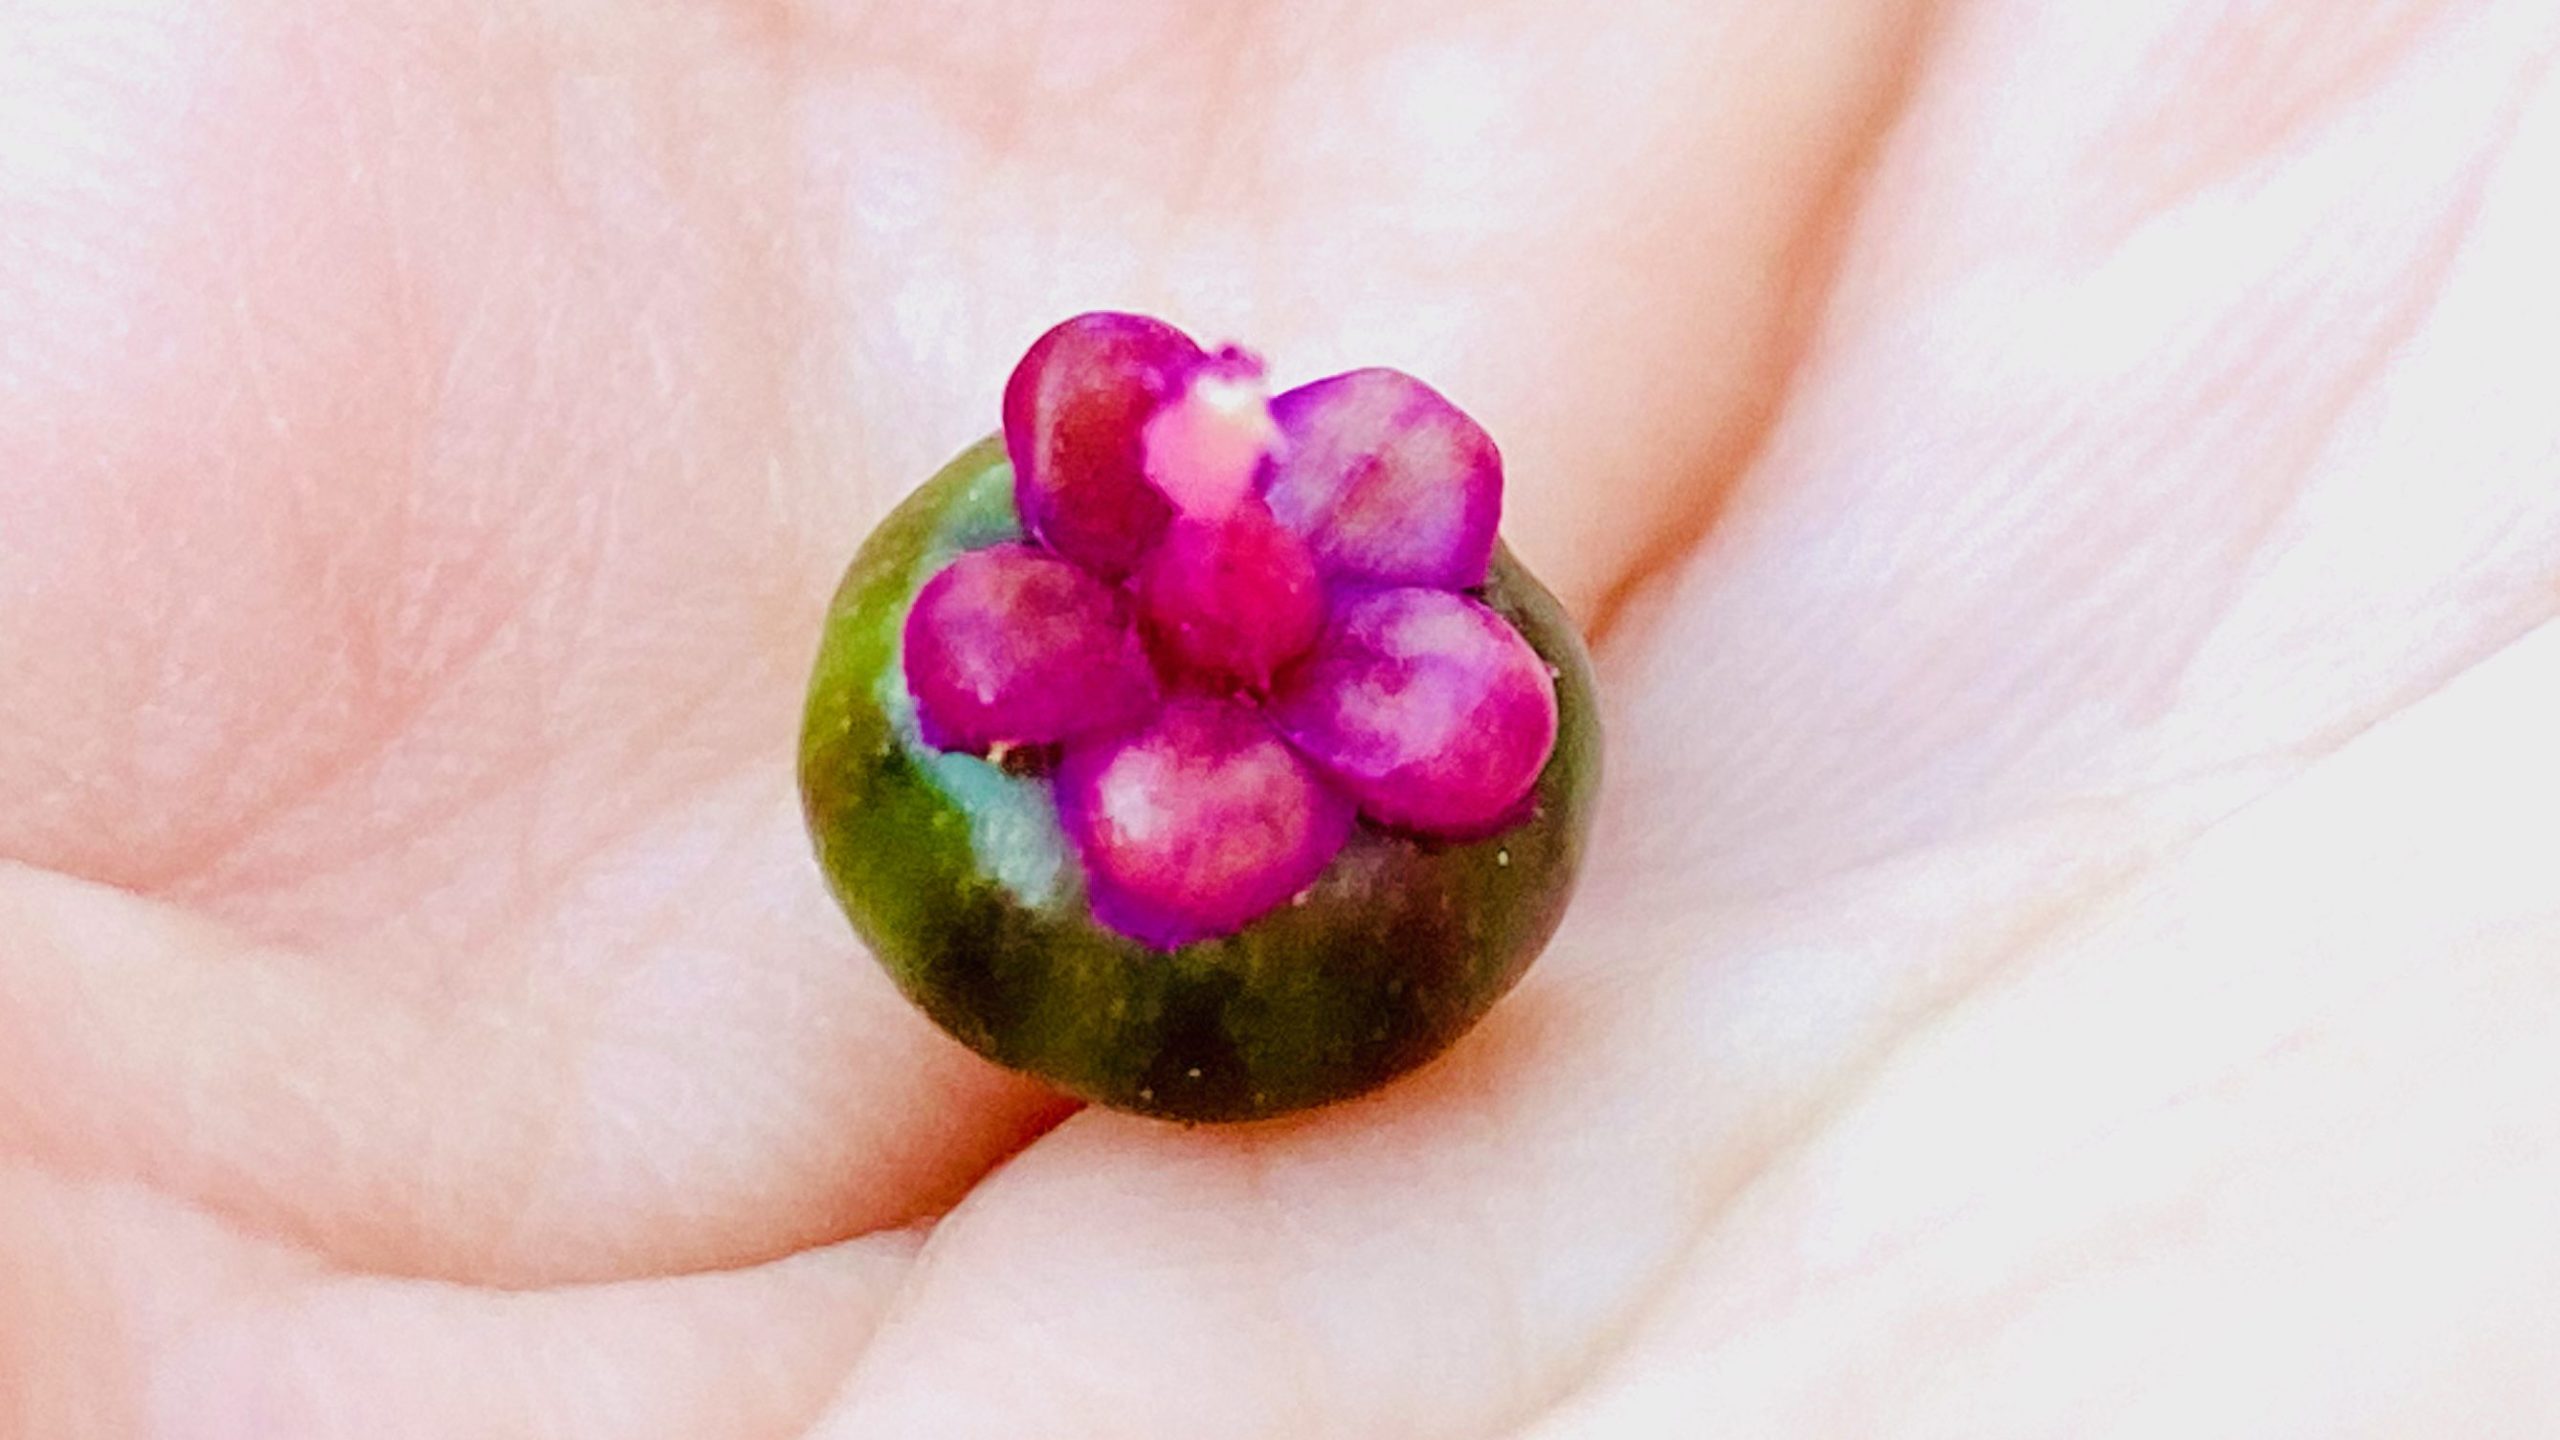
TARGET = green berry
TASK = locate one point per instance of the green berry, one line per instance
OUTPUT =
(955, 871)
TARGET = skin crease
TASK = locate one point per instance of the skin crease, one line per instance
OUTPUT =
(2065, 491)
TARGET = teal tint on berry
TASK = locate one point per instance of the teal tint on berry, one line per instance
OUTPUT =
(1389, 482)
(1226, 603)
(1075, 421)
(1427, 707)
(1197, 824)
(1011, 645)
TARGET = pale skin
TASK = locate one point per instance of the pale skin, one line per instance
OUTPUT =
(2067, 497)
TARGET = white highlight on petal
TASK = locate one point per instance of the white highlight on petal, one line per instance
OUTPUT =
(1204, 448)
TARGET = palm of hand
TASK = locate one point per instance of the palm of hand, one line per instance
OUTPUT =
(2074, 550)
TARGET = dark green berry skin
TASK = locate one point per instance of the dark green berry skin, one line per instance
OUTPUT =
(955, 872)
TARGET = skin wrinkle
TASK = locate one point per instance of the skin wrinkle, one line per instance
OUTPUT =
(321, 1261)
(61, 1279)
(1810, 1120)
(2123, 1235)
(57, 1165)
(1809, 267)
(2298, 454)
(1951, 640)
(274, 908)
(2303, 70)
(2059, 445)
(537, 1138)
(178, 865)
(394, 706)
(2006, 961)
(2060, 913)
(900, 1303)
(217, 885)
(538, 994)
(358, 754)
(2299, 458)
(2221, 581)
(254, 1289)
(214, 881)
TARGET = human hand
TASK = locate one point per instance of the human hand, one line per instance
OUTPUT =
(2065, 496)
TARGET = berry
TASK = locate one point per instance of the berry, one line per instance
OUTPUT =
(1201, 752)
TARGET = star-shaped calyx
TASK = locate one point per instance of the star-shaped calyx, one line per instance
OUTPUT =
(1242, 623)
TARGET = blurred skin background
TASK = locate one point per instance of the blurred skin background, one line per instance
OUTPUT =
(2066, 497)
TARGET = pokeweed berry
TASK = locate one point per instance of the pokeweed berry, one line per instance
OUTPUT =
(1200, 750)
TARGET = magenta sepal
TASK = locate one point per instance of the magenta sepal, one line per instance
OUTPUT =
(1389, 482)
(1198, 823)
(1075, 419)
(1426, 707)
(1014, 646)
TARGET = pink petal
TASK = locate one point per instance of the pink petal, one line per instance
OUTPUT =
(1198, 824)
(1075, 421)
(1426, 706)
(1231, 601)
(1390, 483)
(1012, 645)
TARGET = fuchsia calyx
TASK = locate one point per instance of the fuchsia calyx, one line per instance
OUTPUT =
(1242, 619)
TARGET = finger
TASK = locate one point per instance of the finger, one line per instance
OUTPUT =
(462, 1139)
(2197, 431)
(125, 1315)
(2268, 1135)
